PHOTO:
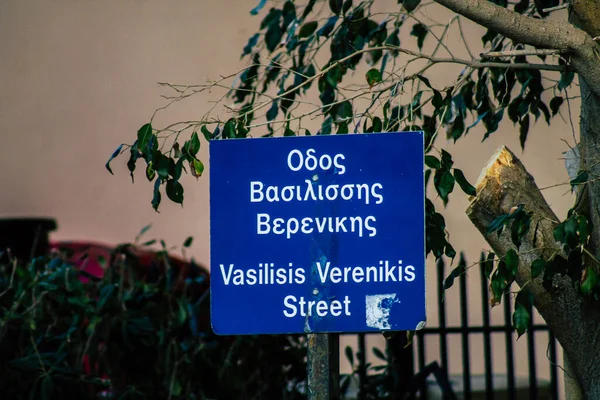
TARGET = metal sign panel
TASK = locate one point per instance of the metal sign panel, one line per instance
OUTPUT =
(317, 234)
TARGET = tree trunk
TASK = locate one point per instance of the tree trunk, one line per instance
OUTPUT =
(504, 184)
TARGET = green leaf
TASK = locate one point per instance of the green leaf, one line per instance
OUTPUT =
(347, 6)
(336, 6)
(273, 110)
(48, 286)
(427, 176)
(432, 162)
(344, 110)
(271, 18)
(581, 178)
(229, 129)
(174, 191)
(463, 183)
(206, 133)
(570, 229)
(566, 78)
(410, 5)
(112, 157)
(175, 388)
(194, 144)
(521, 6)
(449, 251)
(420, 32)
(308, 29)
(342, 128)
(197, 167)
(161, 164)
(523, 130)
(377, 125)
(143, 231)
(555, 104)
(188, 241)
(309, 7)
(583, 229)
(176, 168)
(258, 7)
(489, 36)
(250, 45)
(537, 267)
(288, 132)
(273, 36)
(456, 272)
(393, 40)
(379, 354)
(520, 226)
(105, 294)
(512, 262)
(373, 77)
(544, 109)
(350, 355)
(425, 81)
(143, 137)
(589, 283)
(498, 224)
(289, 13)
(444, 183)
(447, 162)
(521, 317)
(156, 197)
(328, 27)
(487, 263)
(499, 282)
(134, 155)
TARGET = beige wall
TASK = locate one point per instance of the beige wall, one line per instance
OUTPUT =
(78, 77)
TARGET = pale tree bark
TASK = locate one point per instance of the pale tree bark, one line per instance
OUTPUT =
(586, 15)
(561, 35)
(504, 184)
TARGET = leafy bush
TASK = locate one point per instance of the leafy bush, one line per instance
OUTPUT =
(133, 334)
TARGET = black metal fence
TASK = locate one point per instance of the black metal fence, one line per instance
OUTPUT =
(444, 332)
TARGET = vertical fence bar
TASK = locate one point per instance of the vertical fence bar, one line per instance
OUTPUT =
(421, 362)
(553, 365)
(442, 317)
(510, 362)
(487, 345)
(362, 366)
(531, 355)
(464, 319)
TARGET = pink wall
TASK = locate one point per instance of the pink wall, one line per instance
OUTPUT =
(78, 77)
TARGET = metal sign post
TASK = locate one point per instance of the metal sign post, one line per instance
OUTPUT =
(323, 366)
(318, 235)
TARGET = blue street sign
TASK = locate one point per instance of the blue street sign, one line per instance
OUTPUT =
(317, 234)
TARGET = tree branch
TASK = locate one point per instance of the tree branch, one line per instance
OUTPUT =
(556, 8)
(547, 34)
(527, 52)
(586, 15)
(503, 184)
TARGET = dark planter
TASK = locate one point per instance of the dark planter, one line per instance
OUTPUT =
(25, 237)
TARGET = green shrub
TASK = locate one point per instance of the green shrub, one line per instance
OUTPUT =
(130, 336)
